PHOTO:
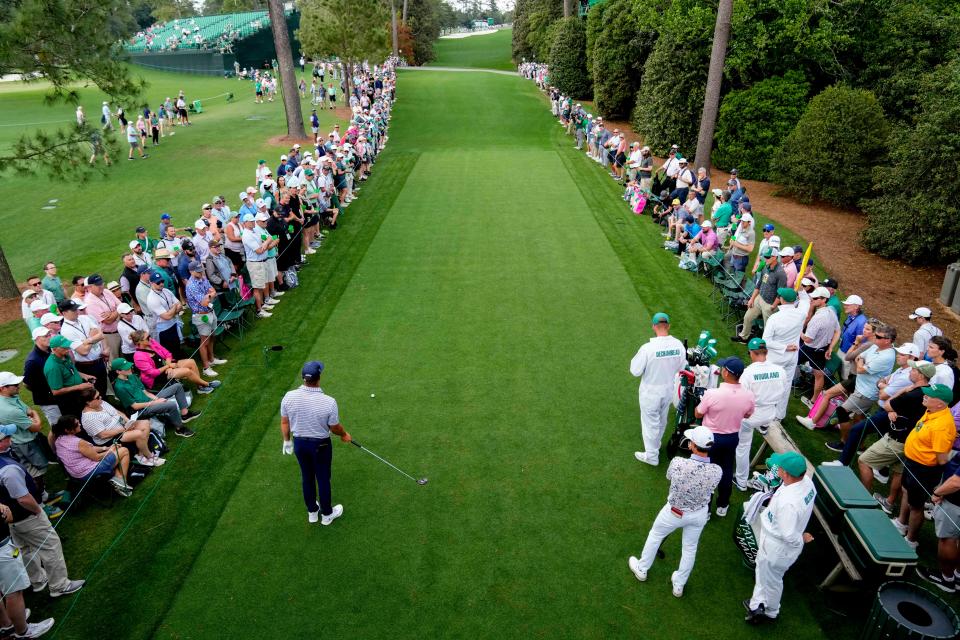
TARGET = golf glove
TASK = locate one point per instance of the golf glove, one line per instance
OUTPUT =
(288, 447)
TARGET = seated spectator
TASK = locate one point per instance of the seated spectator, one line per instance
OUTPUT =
(169, 406)
(65, 381)
(156, 365)
(103, 424)
(219, 269)
(763, 300)
(84, 461)
(706, 242)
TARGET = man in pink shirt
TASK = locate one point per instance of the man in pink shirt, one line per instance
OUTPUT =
(722, 410)
(102, 307)
(789, 266)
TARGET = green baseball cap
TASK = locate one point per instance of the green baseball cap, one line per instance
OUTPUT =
(756, 343)
(661, 317)
(938, 391)
(790, 461)
(767, 252)
(788, 294)
(927, 369)
(120, 364)
(59, 342)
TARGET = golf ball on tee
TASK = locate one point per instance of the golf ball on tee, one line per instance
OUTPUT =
(373, 395)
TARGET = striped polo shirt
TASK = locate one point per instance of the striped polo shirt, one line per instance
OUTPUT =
(310, 411)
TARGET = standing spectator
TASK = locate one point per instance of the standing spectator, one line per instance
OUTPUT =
(165, 307)
(133, 138)
(692, 482)
(763, 300)
(684, 179)
(33, 376)
(946, 516)
(87, 342)
(723, 411)
(31, 451)
(851, 328)
(102, 306)
(33, 291)
(941, 353)
(200, 296)
(789, 266)
(51, 282)
(925, 328)
(257, 244)
(819, 337)
(722, 216)
(926, 451)
(742, 244)
(30, 528)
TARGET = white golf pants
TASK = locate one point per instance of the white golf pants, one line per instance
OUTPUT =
(773, 560)
(791, 369)
(764, 415)
(654, 410)
(666, 522)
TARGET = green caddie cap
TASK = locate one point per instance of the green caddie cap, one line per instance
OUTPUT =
(120, 364)
(788, 294)
(756, 343)
(59, 342)
(938, 391)
(767, 252)
(790, 461)
(661, 317)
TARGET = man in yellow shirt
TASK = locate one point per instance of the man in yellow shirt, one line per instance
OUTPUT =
(926, 450)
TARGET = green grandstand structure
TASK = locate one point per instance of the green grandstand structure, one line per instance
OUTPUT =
(210, 45)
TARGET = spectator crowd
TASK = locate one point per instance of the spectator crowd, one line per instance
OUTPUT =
(116, 360)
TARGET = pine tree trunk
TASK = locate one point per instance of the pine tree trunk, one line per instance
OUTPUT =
(566, 8)
(404, 17)
(291, 97)
(8, 286)
(393, 27)
(711, 98)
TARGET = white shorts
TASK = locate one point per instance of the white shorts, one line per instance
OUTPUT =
(13, 574)
(258, 274)
(204, 328)
(271, 269)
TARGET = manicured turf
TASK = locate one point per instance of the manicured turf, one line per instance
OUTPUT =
(489, 288)
(491, 51)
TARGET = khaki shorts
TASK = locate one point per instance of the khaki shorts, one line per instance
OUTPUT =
(271, 269)
(885, 452)
(258, 274)
(204, 328)
(946, 517)
(13, 574)
(857, 403)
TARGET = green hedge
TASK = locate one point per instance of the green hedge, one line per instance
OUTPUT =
(568, 58)
(615, 78)
(914, 216)
(832, 151)
(754, 122)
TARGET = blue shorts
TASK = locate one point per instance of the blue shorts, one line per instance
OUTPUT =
(103, 468)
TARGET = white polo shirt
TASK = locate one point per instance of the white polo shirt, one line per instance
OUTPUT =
(76, 331)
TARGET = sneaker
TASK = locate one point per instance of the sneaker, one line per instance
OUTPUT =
(40, 587)
(677, 590)
(271, 302)
(902, 528)
(311, 251)
(753, 615)
(218, 361)
(880, 476)
(806, 401)
(634, 565)
(214, 383)
(143, 461)
(183, 432)
(313, 516)
(188, 416)
(210, 373)
(647, 458)
(740, 486)
(264, 314)
(831, 463)
(277, 294)
(934, 578)
(158, 461)
(52, 512)
(722, 511)
(835, 446)
(266, 307)
(737, 338)
(913, 544)
(336, 513)
(205, 390)
(120, 487)
(36, 629)
(807, 422)
(72, 587)
(884, 503)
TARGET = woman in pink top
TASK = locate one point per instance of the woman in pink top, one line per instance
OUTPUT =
(156, 365)
(84, 461)
(723, 410)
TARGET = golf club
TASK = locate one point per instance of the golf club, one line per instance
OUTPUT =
(421, 481)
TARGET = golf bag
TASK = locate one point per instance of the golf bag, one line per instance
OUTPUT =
(696, 378)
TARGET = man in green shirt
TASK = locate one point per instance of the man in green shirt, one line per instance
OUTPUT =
(833, 302)
(144, 405)
(65, 381)
(28, 449)
(721, 218)
(51, 282)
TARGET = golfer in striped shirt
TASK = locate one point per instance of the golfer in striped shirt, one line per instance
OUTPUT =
(308, 415)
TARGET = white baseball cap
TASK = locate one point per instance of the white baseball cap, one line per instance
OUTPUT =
(26, 293)
(786, 252)
(200, 224)
(7, 378)
(921, 312)
(133, 244)
(746, 218)
(857, 300)
(50, 317)
(707, 224)
(36, 305)
(40, 332)
(700, 436)
(123, 307)
(807, 282)
(909, 349)
(262, 216)
(820, 292)
(261, 203)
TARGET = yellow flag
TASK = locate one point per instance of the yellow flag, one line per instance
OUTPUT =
(803, 266)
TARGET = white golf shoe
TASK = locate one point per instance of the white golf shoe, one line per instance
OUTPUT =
(648, 458)
(634, 565)
(336, 513)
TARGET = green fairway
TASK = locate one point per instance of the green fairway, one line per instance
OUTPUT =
(489, 51)
(476, 310)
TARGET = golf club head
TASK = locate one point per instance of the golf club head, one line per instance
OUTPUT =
(422, 481)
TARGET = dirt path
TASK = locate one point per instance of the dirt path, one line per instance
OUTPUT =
(891, 290)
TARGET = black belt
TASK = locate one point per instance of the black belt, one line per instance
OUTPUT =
(110, 332)
(327, 439)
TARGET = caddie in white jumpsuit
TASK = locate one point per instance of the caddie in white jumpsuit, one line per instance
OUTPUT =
(782, 536)
(781, 332)
(766, 380)
(657, 362)
(692, 483)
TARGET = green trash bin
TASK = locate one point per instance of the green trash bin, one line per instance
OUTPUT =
(905, 610)
(197, 107)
